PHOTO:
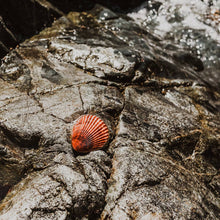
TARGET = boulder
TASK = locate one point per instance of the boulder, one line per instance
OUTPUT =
(161, 160)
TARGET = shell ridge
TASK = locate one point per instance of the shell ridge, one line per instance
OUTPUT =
(89, 122)
(103, 132)
(82, 125)
(99, 129)
(101, 139)
(95, 131)
(92, 132)
(95, 136)
(85, 124)
(97, 126)
(85, 132)
(78, 131)
(89, 133)
(90, 129)
(88, 119)
(78, 121)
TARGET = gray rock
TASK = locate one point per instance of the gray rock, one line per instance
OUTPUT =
(147, 183)
(152, 116)
(162, 157)
(71, 188)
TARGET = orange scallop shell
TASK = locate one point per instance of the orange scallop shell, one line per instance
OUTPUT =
(89, 133)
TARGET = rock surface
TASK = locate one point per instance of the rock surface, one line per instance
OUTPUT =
(22, 19)
(191, 26)
(162, 159)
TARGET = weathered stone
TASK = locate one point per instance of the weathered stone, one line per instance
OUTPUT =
(104, 62)
(162, 157)
(150, 115)
(191, 35)
(145, 182)
(101, 98)
(72, 188)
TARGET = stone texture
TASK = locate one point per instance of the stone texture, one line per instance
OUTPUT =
(152, 116)
(162, 158)
(69, 188)
(146, 180)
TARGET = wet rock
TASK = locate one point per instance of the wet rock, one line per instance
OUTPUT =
(26, 18)
(14, 70)
(70, 190)
(145, 181)
(106, 14)
(215, 185)
(111, 100)
(186, 27)
(104, 62)
(161, 160)
(12, 163)
(187, 58)
(149, 115)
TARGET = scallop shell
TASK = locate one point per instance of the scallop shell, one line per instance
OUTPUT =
(89, 133)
